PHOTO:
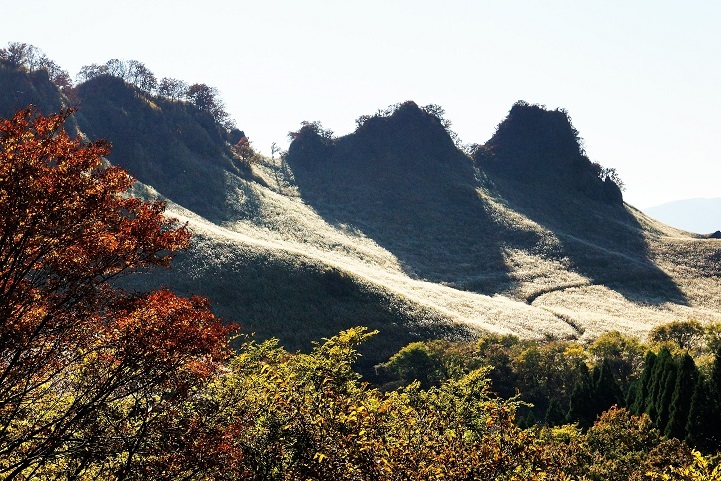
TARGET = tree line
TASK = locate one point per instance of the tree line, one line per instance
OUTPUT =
(133, 72)
(674, 379)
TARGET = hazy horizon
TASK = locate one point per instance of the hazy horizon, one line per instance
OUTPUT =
(701, 215)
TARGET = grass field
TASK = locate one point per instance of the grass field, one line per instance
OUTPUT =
(286, 271)
(392, 227)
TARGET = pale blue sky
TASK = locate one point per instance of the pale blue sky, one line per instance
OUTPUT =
(641, 79)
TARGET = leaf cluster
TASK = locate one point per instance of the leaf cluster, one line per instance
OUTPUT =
(90, 376)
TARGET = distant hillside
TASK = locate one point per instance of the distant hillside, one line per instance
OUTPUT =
(702, 216)
(394, 227)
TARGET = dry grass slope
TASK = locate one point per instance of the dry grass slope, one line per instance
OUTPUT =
(397, 230)
(287, 272)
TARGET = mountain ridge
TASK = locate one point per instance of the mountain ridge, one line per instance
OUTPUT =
(394, 227)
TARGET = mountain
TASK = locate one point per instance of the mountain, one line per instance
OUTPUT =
(393, 227)
(693, 215)
(540, 148)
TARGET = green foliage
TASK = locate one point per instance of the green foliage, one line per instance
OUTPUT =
(555, 414)
(618, 443)
(549, 370)
(643, 385)
(619, 446)
(307, 416)
(582, 406)
(679, 399)
(699, 469)
(653, 403)
(667, 385)
(415, 363)
(543, 373)
(685, 335)
(606, 391)
(623, 353)
(702, 418)
(686, 382)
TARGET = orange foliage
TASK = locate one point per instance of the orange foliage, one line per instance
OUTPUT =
(85, 368)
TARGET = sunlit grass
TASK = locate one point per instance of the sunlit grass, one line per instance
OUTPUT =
(540, 293)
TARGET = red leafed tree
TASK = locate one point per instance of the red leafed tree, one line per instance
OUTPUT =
(92, 379)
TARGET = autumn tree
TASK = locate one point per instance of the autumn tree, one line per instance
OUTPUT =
(308, 416)
(91, 71)
(91, 377)
(20, 54)
(687, 335)
(202, 96)
(131, 71)
(141, 76)
(171, 88)
(56, 74)
(24, 55)
(208, 99)
(117, 68)
(623, 353)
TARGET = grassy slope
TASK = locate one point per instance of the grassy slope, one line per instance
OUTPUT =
(426, 249)
(289, 301)
(592, 264)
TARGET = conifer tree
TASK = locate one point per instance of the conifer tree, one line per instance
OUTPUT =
(656, 383)
(581, 406)
(686, 381)
(715, 381)
(701, 418)
(715, 397)
(528, 420)
(554, 414)
(634, 392)
(663, 400)
(642, 386)
(606, 391)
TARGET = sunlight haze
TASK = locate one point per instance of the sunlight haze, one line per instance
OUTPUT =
(640, 80)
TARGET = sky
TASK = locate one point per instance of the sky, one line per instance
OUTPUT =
(641, 80)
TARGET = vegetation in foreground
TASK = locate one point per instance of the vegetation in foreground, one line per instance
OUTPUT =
(98, 383)
(675, 379)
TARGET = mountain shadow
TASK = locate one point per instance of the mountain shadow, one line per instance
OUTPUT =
(178, 149)
(296, 301)
(20, 88)
(535, 161)
(400, 179)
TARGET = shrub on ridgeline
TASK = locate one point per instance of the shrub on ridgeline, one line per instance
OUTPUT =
(311, 141)
(31, 58)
